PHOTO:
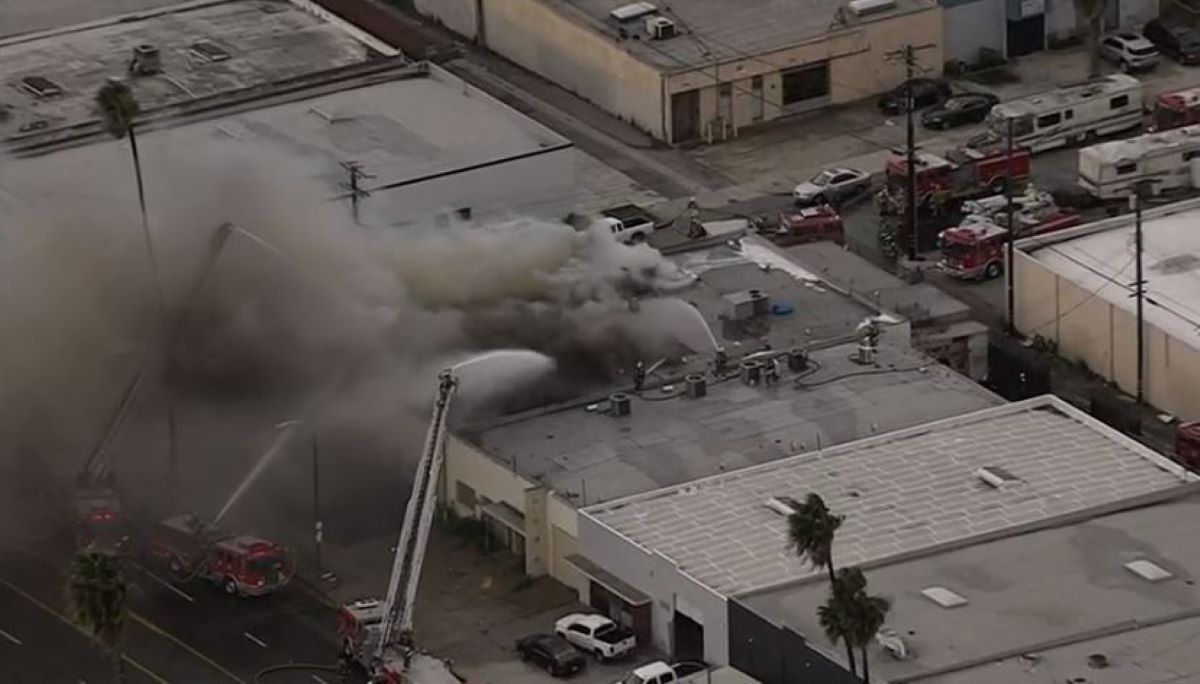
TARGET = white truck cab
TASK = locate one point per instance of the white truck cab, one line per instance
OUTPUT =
(657, 672)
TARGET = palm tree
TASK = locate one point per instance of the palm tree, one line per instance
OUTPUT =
(811, 530)
(852, 615)
(96, 595)
(118, 109)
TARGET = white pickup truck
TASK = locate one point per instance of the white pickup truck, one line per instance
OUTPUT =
(596, 634)
(628, 223)
(659, 672)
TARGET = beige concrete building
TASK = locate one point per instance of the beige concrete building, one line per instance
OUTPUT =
(1076, 288)
(705, 69)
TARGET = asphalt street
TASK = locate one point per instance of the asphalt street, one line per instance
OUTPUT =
(188, 634)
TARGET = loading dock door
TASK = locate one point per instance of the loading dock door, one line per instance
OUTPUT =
(1026, 35)
(689, 639)
(685, 116)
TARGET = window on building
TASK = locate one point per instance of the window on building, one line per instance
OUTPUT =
(1191, 154)
(463, 214)
(1069, 114)
(805, 82)
(1126, 168)
(465, 495)
(1118, 102)
(1048, 120)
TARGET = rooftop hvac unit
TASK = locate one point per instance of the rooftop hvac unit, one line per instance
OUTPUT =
(862, 8)
(660, 28)
(146, 60)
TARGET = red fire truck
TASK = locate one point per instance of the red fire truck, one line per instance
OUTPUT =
(962, 174)
(1187, 445)
(975, 249)
(99, 523)
(811, 224)
(242, 564)
(1176, 109)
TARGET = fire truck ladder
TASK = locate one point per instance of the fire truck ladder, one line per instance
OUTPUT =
(97, 468)
(414, 532)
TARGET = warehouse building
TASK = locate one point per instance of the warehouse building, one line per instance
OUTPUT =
(711, 563)
(1076, 288)
(704, 69)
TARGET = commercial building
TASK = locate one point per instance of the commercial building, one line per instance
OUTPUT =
(291, 79)
(704, 69)
(527, 475)
(1076, 288)
(709, 560)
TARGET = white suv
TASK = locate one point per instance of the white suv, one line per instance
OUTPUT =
(1130, 50)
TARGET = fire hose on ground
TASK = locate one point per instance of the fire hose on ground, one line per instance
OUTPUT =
(287, 667)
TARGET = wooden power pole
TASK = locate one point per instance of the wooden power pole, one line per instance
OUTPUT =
(908, 55)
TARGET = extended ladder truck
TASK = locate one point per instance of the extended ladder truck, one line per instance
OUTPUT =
(379, 637)
(99, 521)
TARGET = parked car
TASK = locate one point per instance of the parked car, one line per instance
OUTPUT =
(596, 634)
(960, 109)
(1129, 50)
(1180, 43)
(832, 186)
(551, 652)
(926, 92)
(659, 672)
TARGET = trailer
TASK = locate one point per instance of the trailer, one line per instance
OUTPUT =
(1167, 161)
(1070, 115)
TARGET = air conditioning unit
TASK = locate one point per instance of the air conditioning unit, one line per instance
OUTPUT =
(660, 28)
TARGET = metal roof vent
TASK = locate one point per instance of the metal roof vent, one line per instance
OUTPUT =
(618, 404)
(997, 477)
(797, 359)
(783, 505)
(632, 11)
(697, 386)
(944, 597)
(146, 60)
(40, 86)
(760, 302)
(752, 372)
(207, 51)
(1148, 571)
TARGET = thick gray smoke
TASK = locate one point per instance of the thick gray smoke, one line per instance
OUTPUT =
(301, 304)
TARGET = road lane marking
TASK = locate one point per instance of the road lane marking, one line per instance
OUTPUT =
(175, 640)
(318, 680)
(70, 623)
(168, 585)
(11, 638)
(255, 639)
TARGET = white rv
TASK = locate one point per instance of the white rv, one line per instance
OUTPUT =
(1071, 114)
(1169, 160)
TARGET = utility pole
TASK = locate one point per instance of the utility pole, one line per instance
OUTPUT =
(354, 187)
(908, 55)
(1009, 275)
(1139, 291)
(318, 525)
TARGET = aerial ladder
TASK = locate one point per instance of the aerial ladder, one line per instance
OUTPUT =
(99, 521)
(378, 637)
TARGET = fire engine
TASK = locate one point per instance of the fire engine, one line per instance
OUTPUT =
(1176, 109)
(242, 564)
(811, 224)
(378, 636)
(975, 249)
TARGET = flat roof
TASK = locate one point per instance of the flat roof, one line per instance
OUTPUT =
(901, 492)
(711, 30)
(1038, 604)
(420, 123)
(266, 40)
(1099, 258)
(588, 456)
(19, 17)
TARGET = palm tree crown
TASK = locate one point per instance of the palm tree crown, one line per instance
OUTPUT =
(118, 107)
(811, 530)
(96, 592)
(853, 616)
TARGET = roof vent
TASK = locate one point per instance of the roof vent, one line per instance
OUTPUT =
(1148, 571)
(783, 505)
(146, 60)
(944, 597)
(207, 51)
(863, 8)
(760, 302)
(697, 386)
(797, 359)
(752, 372)
(660, 28)
(618, 404)
(40, 86)
(1097, 661)
(632, 11)
(997, 477)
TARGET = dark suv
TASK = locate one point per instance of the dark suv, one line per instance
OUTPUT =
(1180, 43)
(551, 652)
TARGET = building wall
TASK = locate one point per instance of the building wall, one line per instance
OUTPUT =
(1090, 330)
(971, 25)
(550, 522)
(460, 16)
(772, 654)
(858, 68)
(666, 585)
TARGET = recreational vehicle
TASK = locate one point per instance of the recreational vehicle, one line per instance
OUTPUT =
(1071, 114)
(1168, 160)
